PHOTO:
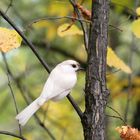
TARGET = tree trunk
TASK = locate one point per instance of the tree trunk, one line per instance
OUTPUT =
(96, 93)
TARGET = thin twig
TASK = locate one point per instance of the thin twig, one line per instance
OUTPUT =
(116, 117)
(45, 128)
(29, 43)
(64, 17)
(110, 73)
(15, 104)
(129, 94)
(11, 90)
(116, 28)
(56, 18)
(114, 110)
(78, 110)
(19, 76)
(83, 25)
(12, 134)
(119, 115)
(9, 6)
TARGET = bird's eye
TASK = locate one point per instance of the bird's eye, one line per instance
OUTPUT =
(73, 65)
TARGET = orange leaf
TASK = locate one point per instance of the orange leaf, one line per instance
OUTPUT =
(128, 133)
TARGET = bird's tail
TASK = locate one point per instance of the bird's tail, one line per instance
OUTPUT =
(27, 113)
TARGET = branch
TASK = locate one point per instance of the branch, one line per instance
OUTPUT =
(29, 43)
(9, 6)
(117, 28)
(78, 110)
(83, 25)
(12, 134)
(9, 83)
(56, 18)
(129, 93)
(45, 128)
(15, 104)
(131, 52)
(65, 17)
(114, 110)
(11, 90)
(117, 117)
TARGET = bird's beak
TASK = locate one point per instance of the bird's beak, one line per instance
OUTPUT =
(81, 69)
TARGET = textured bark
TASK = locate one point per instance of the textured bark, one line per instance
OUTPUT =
(96, 92)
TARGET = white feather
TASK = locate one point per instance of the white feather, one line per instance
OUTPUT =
(26, 114)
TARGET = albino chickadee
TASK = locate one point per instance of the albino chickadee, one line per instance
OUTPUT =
(58, 85)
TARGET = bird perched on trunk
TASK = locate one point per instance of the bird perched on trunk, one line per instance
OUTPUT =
(58, 85)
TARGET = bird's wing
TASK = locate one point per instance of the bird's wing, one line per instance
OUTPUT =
(58, 83)
(53, 86)
(61, 95)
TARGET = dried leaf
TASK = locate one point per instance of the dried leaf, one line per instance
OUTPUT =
(128, 133)
(136, 28)
(115, 61)
(86, 13)
(73, 30)
(9, 39)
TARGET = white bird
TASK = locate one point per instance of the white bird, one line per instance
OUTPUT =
(58, 85)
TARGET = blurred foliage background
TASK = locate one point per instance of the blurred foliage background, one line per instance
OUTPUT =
(29, 75)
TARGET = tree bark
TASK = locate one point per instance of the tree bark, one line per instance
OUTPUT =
(96, 93)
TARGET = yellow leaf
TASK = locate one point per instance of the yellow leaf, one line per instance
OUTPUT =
(73, 30)
(136, 28)
(9, 39)
(138, 11)
(114, 61)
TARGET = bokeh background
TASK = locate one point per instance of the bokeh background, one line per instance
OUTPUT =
(29, 76)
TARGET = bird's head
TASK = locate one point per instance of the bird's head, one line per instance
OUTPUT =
(70, 66)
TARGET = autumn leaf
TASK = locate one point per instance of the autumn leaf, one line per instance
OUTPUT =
(86, 13)
(9, 39)
(128, 133)
(74, 30)
(136, 28)
(114, 61)
(138, 11)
